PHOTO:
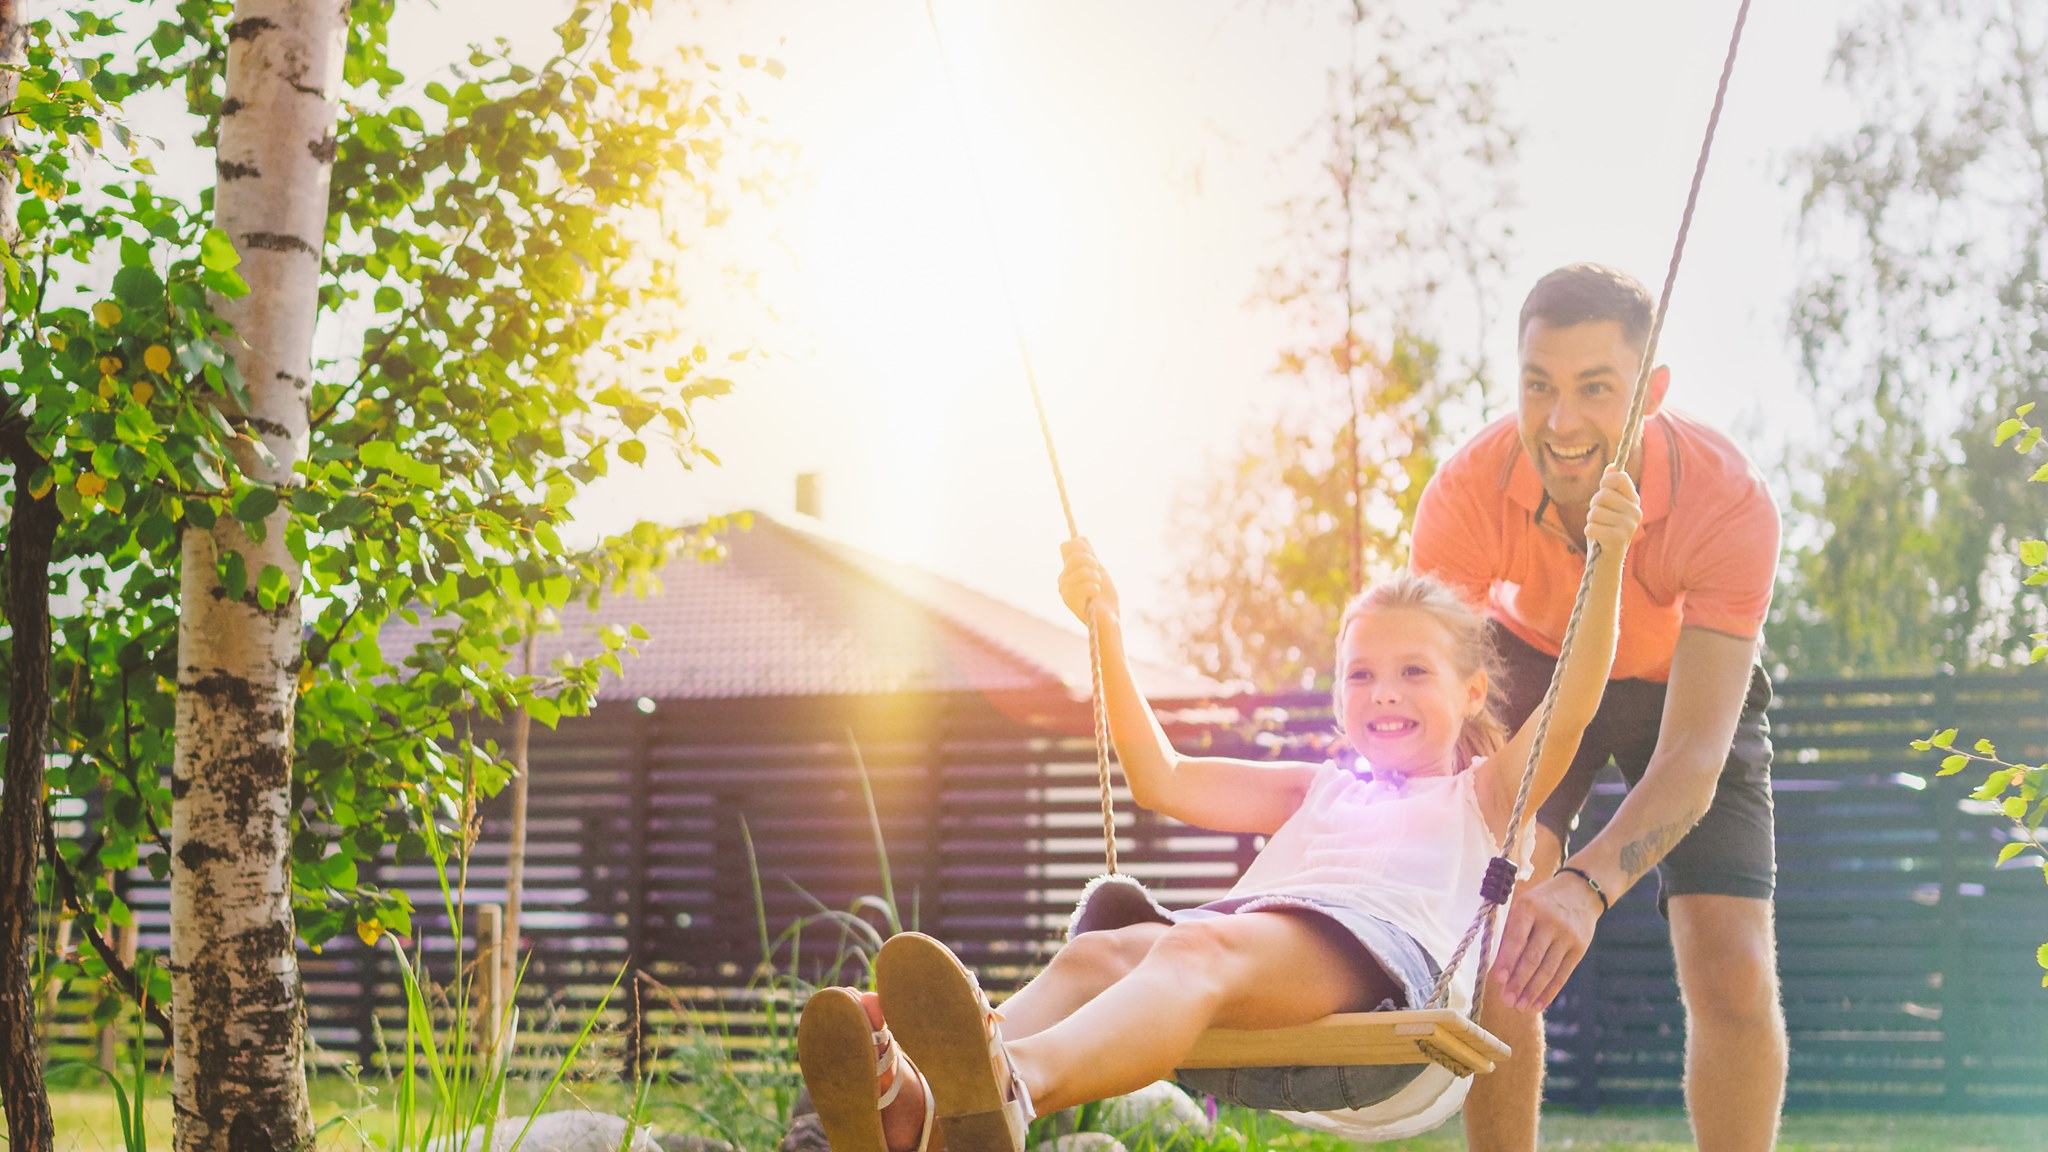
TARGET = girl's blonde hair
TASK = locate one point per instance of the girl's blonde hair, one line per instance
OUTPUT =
(1471, 650)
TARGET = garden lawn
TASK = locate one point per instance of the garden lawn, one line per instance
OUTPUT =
(86, 1122)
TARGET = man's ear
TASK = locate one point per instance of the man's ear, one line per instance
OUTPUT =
(1660, 383)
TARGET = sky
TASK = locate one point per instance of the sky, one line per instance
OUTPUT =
(1110, 174)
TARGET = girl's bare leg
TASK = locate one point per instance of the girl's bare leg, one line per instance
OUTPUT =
(1253, 970)
(1078, 973)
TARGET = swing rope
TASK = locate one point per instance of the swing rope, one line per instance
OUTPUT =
(1498, 887)
(1498, 884)
(1097, 704)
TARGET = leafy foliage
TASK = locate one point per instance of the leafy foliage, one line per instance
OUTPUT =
(1925, 228)
(1406, 211)
(2019, 790)
(503, 268)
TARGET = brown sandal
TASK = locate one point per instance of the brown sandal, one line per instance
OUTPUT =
(843, 1061)
(942, 1018)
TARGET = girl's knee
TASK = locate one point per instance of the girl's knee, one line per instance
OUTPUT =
(1111, 954)
(1200, 952)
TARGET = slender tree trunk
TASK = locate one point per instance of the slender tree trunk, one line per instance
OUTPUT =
(515, 860)
(240, 1080)
(31, 533)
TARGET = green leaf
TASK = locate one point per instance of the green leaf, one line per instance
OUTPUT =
(1950, 765)
(2007, 429)
(138, 286)
(273, 587)
(1943, 738)
(384, 454)
(2034, 553)
(255, 504)
(1994, 784)
(633, 452)
(544, 710)
(217, 252)
(2040, 475)
(503, 422)
(234, 574)
(167, 39)
(1986, 747)
(2023, 409)
(2013, 849)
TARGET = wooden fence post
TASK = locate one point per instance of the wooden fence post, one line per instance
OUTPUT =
(487, 990)
(110, 1033)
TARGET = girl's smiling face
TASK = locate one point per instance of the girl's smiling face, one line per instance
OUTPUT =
(1405, 700)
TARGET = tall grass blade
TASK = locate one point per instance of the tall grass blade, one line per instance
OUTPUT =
(867, 792)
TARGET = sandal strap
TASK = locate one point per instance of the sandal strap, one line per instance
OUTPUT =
(889, 1061)
(1017, 1107)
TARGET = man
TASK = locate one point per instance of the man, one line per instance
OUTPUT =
(1504, 520)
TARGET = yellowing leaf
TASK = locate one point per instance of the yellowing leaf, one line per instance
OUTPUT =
(110, 364)
(106, 313)
(157, 359)
(57, 341)
(106, 387)
(90, 484)
(370, 931)
(142, 391)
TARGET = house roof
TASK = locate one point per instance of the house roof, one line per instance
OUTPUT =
(791, 612)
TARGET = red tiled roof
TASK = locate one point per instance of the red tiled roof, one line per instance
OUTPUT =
(790, 612)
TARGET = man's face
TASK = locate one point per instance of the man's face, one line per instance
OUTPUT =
(1573, 404)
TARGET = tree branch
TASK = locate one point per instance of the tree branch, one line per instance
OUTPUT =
(87, 920)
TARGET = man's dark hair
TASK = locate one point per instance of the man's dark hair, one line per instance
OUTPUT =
(1587, 294)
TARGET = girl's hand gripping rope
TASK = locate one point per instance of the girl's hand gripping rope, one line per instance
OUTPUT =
(1085, 581)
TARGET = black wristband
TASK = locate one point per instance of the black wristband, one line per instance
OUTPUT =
(1590, 883)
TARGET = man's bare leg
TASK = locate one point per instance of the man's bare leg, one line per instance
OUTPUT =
(1505, 1108)
(1735, 1048)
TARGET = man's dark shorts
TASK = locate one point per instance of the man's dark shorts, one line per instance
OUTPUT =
(1731, 851)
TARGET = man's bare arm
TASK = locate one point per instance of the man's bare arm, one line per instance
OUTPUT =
(1709, 679)
(1550, 925)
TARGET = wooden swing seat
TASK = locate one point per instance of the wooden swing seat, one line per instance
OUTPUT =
(1419, 1036)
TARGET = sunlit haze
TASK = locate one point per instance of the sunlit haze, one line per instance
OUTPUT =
(1132, 157)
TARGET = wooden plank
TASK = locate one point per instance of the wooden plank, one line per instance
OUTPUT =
(1352, 1038)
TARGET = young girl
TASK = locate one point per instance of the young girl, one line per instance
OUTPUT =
(1369, 878)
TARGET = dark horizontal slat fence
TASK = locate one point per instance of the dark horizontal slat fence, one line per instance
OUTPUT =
(676, 842)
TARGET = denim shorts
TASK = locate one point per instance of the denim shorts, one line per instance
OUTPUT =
(1119, 902)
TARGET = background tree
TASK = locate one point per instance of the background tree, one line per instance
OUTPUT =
(1923, 321)
(1404, 223)
(501, 272)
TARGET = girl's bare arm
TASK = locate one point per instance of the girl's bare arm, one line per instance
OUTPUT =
(1207, 791)
(1611, 523)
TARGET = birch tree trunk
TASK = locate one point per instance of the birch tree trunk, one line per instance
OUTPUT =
(31, 532)
(239, 1067)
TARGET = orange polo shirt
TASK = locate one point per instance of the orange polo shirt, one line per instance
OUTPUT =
(1704, 557)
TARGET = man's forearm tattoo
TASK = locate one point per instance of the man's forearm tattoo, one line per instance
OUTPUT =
(1642, 855)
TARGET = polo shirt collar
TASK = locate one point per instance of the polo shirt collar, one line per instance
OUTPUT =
(1657, 486)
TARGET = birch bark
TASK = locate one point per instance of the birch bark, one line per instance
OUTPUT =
(239, 1071)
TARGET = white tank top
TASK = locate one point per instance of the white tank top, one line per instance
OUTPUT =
(1410, 850)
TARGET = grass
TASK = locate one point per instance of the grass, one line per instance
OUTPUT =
(86, 1123)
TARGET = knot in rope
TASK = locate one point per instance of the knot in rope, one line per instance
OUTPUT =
(1499, 882)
